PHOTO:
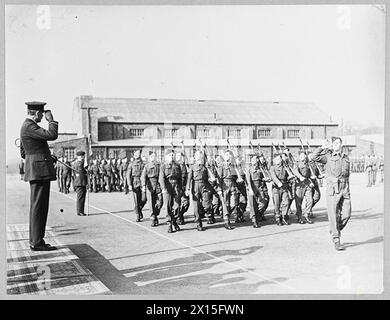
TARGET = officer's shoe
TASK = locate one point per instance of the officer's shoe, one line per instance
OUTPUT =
(43, 247)
(199, 227)
(307, 220)
(81, 214)
(228, 226)
(176, 226)
(338, 246)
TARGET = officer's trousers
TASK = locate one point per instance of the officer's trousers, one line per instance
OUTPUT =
(339, 209)
(281, 201)
(201, 196)
(81, 192)
(39, 207)
(303, 192)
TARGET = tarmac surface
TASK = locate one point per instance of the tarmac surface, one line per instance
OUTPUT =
(135, 259)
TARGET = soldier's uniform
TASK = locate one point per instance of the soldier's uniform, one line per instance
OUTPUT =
(80, 175)
(171, 183)
(134, 171)
(58, 166)
(95, 177)
(258, 199)
(337, 171)
(198, 183)
(368, 169)
(150, 185)
(242, 194)
(66, 176)
(123, 176)
(39, 171)
(280, 194)
(108, 176)
(227, 181)
(102, 174)
(216, 203)
(117, 180)
(185, 200)
(303, 191)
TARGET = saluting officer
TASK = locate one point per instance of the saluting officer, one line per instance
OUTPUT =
(338, 198)
(39, 169)
(80, 175)
(150, 185)
(134, 171)
(257, 198)
(171, 184)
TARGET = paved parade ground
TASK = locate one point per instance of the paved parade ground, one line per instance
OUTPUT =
(133, 258)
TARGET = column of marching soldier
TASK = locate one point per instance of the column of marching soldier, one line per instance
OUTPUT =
(219, 185)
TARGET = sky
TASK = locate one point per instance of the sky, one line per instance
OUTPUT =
(333, 56)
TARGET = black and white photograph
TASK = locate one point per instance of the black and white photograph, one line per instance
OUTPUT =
(194, 150)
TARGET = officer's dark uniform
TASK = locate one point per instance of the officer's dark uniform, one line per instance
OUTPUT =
(170, 182)
(149, 182)
(134, 171)
(39, 171)
(337, 171)
(303, 191)
(227, 181)
(198, 183)
(258, 201)
(80, 175)
(280, 195)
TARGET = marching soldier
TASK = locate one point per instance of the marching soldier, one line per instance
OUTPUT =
(150, 185)
(66, 175)
(134, 171)
(241, 190)
(258, 200)
(80, 175)
(185, 200)
(264, 166)
(117, 179)
(123, 175)
(303, 189)
(287, 156)
(227, 181)
(280, 190)
(337, 171)
(216, 203)
(171, 184)
(39, 169)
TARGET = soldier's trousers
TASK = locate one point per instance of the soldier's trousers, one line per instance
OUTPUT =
(39, 207)
(66, 179)
(374, 173)
(339, 209)
(201, 196)
(216, 204)
(258, 202)
(302, 193)
(184, 204)
(316, 195)
(369, 178)
(59, 183)
(80, 200)
(139, 201)
(281, 200)
(242, 198)
(95, 183)
(107, 182)
(172, 201)
(229, 192)
(155, 199)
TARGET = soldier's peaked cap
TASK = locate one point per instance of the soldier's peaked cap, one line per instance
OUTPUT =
(35, 105)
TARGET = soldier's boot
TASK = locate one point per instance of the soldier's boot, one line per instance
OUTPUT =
(284, 221)
(338, 246)
(307, 220)
(181, 219)
(170, 228)
(175, 225)
(228, 225)
(211, 219)
(255, 222)
(311, 215)
(141, 216)
(278, 221)
(138, 218)
(199, 226)
(154, 221)
(301, 221)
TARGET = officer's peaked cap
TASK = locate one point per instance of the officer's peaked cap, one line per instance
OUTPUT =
(35, 105)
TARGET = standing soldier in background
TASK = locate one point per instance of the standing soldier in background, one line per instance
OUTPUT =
(102, 174)
(171, 185)
(337, 171)
(227, 181)
(151, 186)
(368, 169)
(95, 176)
(108, 175)
(39, 169)
(117, 169)
(304, 188)
(280, 190)
(80, 175)
(134, 171)
(185, 200)
(123, 175)
(258, 200)
(66, 175)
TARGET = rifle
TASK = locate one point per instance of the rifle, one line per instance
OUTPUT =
(211, 174)
(312, 173)
(263, 168)
(235, 166)
(290, 173)
(321, 173)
